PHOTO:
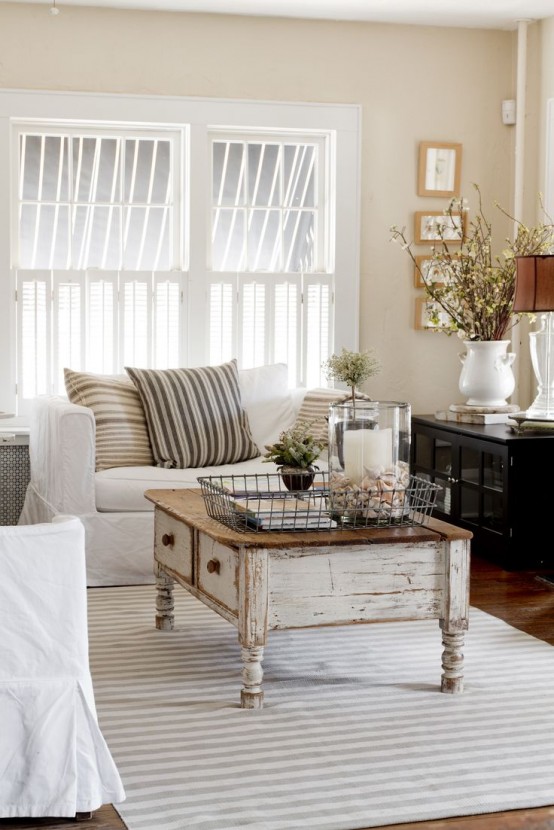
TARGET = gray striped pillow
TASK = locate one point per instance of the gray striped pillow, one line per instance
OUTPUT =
(314, 411)
(121, 432)
(195, 416)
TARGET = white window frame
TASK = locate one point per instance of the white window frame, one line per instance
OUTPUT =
(203, 116)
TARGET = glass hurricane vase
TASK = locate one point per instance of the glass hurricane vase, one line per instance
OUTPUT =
(369, 456)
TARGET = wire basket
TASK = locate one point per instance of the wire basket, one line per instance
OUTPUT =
(253, 503)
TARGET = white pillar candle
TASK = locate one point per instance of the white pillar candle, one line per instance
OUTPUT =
(377, 450)
(366, 449)
(353, 449)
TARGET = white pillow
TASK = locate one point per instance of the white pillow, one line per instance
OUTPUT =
(267, 400)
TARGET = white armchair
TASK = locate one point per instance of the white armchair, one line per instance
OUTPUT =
(54, 760)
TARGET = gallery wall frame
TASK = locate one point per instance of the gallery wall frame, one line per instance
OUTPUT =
(426, 308)
(439, 169)
(426, 265)
(437, 226)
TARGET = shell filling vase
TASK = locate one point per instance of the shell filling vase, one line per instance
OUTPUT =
(369, 455)
(487, 378)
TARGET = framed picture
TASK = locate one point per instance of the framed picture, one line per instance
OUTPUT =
(424, 310)
(426, 267)
(440, 168)
(436, 226)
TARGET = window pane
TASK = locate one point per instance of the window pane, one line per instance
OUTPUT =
(280, 180)
(147, 171)
(96, 169)
(146, 239)
(96, 237)
(264, 241)
(94, 201)
(43, 236)
(299, 176)
(228, 240)
(298, 241)
(228, 175)
(263, 174)
(44, 168)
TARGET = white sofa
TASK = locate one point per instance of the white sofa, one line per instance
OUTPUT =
(118, 520)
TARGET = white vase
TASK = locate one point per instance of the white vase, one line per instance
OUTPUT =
(487, 378)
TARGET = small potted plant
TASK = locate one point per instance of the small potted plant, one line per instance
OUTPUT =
(294, 454)
(351, 368)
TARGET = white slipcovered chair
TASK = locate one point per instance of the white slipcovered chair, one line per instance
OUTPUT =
(54, 760)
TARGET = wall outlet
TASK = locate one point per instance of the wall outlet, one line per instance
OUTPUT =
(509, 112)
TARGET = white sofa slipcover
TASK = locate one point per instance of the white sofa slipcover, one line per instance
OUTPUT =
(118, 520)
(54, 760)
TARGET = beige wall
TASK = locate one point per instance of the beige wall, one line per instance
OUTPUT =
(413, 84)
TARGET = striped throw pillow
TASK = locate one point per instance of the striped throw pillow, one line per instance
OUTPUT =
(195, 416)
(121, 432)
(314, 410)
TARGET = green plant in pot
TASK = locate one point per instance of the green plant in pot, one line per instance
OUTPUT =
(294, 454)
(351, 368)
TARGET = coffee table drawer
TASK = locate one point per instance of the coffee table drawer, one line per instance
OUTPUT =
(218, 574)
(173, 544)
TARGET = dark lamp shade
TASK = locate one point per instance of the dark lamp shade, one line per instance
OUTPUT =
(534, 283)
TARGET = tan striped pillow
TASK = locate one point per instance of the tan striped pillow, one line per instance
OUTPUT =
(314, 410)
(121, 432)
(195, 416)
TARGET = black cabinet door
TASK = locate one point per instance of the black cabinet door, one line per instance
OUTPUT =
(492, 483)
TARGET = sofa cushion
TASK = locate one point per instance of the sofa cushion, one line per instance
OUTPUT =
(194, 416)
(314, 410)
(121, 432)
(121, 490)
(268, 402)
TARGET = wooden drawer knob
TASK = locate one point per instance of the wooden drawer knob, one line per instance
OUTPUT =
(213, 566)
(168, 540)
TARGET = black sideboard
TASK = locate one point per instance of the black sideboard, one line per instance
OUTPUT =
(493, 482)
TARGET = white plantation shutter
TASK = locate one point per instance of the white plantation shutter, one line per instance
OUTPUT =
(102, 351)
(34, 326)
(287, 327)
(317, 323)
(222, 321)
(135, 305)
(253, 324)
(168, 321)
(69, 323)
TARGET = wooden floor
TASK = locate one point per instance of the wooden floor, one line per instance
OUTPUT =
(522, 600)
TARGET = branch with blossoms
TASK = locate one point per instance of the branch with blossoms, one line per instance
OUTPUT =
(476, 289)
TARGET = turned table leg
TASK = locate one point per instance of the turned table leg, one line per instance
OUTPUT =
(164, 600)
(452, 681)
(251, 695)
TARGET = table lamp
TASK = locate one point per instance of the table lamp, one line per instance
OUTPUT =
(534, 293)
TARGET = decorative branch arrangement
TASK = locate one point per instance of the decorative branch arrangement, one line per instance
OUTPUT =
(476, 289)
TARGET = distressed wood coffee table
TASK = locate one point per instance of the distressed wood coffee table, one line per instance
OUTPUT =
(276, 580)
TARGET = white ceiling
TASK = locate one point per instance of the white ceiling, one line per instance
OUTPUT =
(497, 14)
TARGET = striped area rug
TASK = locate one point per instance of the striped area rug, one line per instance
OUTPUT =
(354, 734)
